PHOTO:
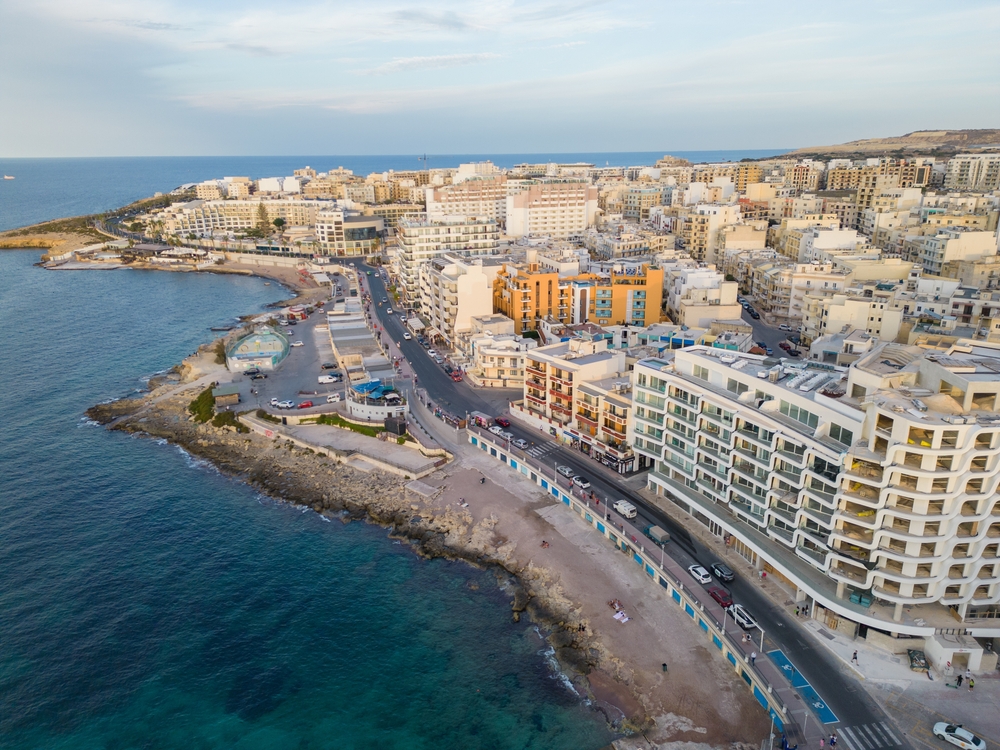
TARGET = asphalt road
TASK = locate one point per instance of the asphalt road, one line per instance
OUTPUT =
(831, 680)
(828, 676)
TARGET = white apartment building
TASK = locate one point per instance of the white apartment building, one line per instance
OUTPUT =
(977, 172)
(342, 234)
(484, 196)
(876, 309)
(419, 239)
(870, 490)
(551, 209)
(205, 217)
(494, 355)
(781, 288)
(453, 291)
(949, 245)
(697, 296)
(815, 242)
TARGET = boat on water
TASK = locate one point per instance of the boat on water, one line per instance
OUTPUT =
(8, 177)
(267, 283)
(222, 328)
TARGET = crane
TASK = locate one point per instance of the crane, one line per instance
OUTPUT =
(423, 159)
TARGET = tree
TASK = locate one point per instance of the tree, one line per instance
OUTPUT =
(279, 223)
(262, 218)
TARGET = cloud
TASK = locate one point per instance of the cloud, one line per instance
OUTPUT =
(155, 26)
(256, 50)
(405, 64)
(446, 21)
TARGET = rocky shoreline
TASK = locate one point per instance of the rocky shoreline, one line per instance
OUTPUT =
(303, 477)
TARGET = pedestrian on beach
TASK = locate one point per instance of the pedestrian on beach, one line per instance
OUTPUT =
(958, 681)
(753, 658)
(855, 658)
(972, 684)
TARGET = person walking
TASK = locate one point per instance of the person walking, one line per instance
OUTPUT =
(968, 675)
(855, 658)
(833, 740)
(972, 684)
(958, 681)
(753, 658)
(822, 743)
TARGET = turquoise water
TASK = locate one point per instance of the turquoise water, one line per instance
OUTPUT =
(146, 601)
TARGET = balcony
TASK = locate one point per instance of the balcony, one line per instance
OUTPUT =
(535, 371)
(777, 531)
(586, 418)
(787, 514)
(815, 556)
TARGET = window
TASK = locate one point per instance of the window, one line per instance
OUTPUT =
(841, 434)
(798, 414)
(736, 387)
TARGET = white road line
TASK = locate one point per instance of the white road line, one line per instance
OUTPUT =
(855, 740)
(883, 738)
(876, 742)
(845, 738)
(888, 731)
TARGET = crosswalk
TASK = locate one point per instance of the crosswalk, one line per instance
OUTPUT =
(867, 736)
(543, 449)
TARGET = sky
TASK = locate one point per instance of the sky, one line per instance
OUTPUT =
(249, 77)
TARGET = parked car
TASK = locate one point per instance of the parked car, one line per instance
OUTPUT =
(293, 322)
(323, 379)
(502, 421)
(449, 369)
(625, 509)
(722, 572)
(520, 443)
(406, 336)
(566, 471)
(793, 352)
(582, 482)
(506, 436)
(699, 574)
(721, 596)
(956, 734)
(333, 398)
(742, 617)
(252, 371)
(762, 344)
(258, 376)
(285, 405)
(755, 315)
(785, 345)
(329, 366)
(274, 402)
(297, 343)
(306, 405)
(496, 429)
(457, 377)
(769, 351)
(425, 344)
(784, 327)
(282, 322)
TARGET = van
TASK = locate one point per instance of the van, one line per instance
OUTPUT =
(625, 509)
(658, 535)
(333, 398)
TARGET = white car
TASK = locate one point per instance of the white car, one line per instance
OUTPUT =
(327, 379)
(407, 337)
(520, 443)
(333, 398)
(507, 435)
(297, 343)
(285, 405)
(784, 327)
(699, 574)
(496, 429)
(957, 735)
(582, 482)
(389, 310)
(274, 402)
(742, 617)
(566, 471)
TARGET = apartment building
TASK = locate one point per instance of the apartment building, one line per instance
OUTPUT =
(453, 291)
(480, 195)
(551, 209)
(698, 230)
(803, 177)
(210, 190)
(391, 213)
(625, 241)
(493, 355)
(844, 205)
(419, 239)
(527, 292)
(698, 296)
(871, 179)
(579, 391)
(875, 308)
(624, 291)
(781, 288)
(786, 236)
(949, 245)
(638, 201)
(871, 490)
(976, 172)
(205, 217)
(346, 234)
(740, 264)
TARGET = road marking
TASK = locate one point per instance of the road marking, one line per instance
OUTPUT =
(889, 732)
(847, 737)
(868, 736)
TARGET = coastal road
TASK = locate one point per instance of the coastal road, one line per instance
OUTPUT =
(839, 688)
(834, 683)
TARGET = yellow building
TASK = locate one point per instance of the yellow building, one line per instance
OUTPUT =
(525, 293)
(623, 292)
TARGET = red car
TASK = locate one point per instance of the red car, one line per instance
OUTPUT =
(305, 404)
(456, 377)
(502, 421)
(721, 596)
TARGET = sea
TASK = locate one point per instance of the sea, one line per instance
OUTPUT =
(149, 601)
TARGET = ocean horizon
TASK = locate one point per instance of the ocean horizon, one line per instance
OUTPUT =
(47, 188)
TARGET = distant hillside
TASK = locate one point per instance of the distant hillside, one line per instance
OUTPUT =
(920, 142)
